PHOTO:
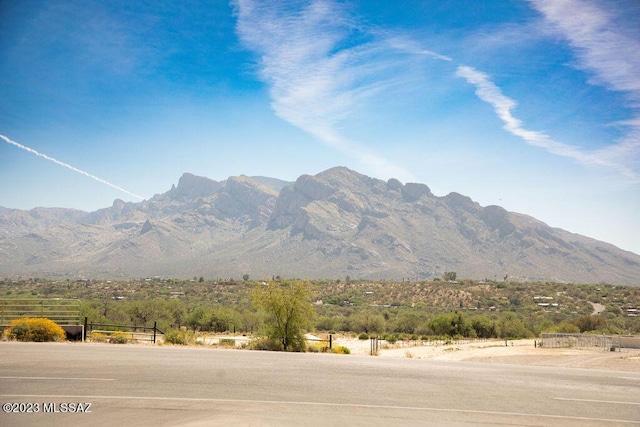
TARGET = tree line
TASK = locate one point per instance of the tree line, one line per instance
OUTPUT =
(282, 310)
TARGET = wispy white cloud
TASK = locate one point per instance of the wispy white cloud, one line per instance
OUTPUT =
(411, 46)
(68, 166)
(604, 47)
(608, 49)
(321, 66)
(503, 106)
(317, 74)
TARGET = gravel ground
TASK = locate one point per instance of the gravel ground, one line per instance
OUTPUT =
(522, 352)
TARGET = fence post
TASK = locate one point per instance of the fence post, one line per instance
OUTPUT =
(84, 330)
(154, 332)
(330, 341)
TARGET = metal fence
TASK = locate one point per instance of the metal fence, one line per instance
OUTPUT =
(137, 333)
(604, 342)
(329, 340)
(434, 341)
(61, 311)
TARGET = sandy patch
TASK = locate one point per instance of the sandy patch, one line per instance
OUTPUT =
(523, 352)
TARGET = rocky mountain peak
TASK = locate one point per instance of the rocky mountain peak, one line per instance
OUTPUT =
(394, 185)
(313, 187)
(458, 201)
(192, 186)
(248, 191)
(118, 205)
(497, 218)
(413, 191)
(244, 197)
(328, 225)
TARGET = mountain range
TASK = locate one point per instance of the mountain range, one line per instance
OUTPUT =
(335, 224)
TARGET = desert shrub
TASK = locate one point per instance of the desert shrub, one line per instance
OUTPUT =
(326, 323)
(484, 327)
(180, 337)
(227, 342)
(451, 324)
(119, 337)
(391, 339)
(324, 348)
(564, 328)
(363, 336)
(509, 325)
(34, 329)
(313, 348)
(266, 344)
(588, 323)
(340, 350)
(97, 337)
(457, 337)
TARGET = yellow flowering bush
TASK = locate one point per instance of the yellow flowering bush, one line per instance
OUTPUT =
(98, 337)
(34, 329)
(119, 337)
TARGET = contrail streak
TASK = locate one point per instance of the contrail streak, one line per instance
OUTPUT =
(68, 166)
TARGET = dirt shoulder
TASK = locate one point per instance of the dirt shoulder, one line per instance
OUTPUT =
(522, 352)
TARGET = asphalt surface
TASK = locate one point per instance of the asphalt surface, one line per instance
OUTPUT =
(173, 386)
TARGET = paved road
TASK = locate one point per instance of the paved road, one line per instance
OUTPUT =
(168, 386)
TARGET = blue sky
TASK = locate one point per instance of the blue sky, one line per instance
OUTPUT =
(531, 105)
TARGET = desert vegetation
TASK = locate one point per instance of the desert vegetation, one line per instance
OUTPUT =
(34, 329)
(287, 312)
(391, 310)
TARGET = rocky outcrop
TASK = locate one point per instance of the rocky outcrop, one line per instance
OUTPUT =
(146, 227)
(293, 198)
(497, 218)
(241, 196)
(118, 210)
(413, 191)
(192, 186)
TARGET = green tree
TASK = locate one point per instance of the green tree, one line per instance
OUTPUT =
(565, 328)
(367, 321)
(588, 323)
(509, 325)
(288, 310)
(200, 318)
(226, 319)
(326, 323)
(484, 327)
(408, 322)
(165, 313)
(451, 324)
(449, 276)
